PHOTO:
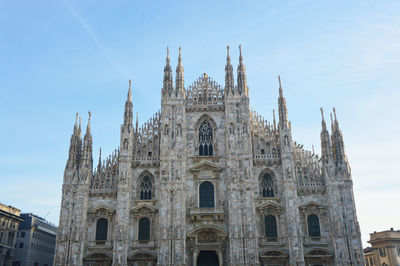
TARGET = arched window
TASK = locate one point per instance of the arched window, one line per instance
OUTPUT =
(144, 229)
(270, 226)
(206, 195)
(145, 188)
(313, 226)
(205, 139)
(101, 229)
(267, 185)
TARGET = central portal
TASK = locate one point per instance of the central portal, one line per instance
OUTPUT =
(207, 258)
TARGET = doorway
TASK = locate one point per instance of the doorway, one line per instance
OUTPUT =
(207, 258)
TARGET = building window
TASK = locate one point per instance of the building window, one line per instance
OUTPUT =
(21, 245)
(206, 139)
(313, 226)
(398, 251)
(101, 229)
(145, 188)
(36, 264)
(382, 252)
(206, 194)
(267, 185)
(144, 229)
(270, 226)
(22, 234)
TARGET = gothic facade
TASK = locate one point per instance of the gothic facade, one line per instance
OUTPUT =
(208, 181)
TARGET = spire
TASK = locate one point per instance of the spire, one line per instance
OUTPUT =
(87, 147)
(75, 145)
(130, 91)
(179, 82)
(99, 165)
(241, 78)
(80, 127)
(76, 124)
(167, 79)
(128, 107)
(337, 141)
(88, 127)
(229, 83)
(283, 115)
(326, 147)
(273, 114)
(137, 122)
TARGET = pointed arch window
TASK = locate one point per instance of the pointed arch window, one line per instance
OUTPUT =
(144, 229)
(206, 192)
(101, 229)
(145, 188)
(313, 226)
(206, 139)
(267, 186)
(270, 226)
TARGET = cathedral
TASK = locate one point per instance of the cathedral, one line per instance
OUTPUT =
(208, 181)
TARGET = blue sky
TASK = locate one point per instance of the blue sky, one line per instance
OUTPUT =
(62, 57)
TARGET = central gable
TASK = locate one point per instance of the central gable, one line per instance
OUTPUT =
(205, 93)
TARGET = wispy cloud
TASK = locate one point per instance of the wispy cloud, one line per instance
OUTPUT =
(93, 36)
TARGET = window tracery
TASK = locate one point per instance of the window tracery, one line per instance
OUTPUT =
(206, 139)
(145, 188)
(267, 186)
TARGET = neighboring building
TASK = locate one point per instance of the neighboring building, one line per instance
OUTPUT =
(208, 181)
(369, 257)
(9, 220)
(36, 242)
(385, 250)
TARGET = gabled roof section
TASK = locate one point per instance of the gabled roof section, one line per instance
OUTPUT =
(102, 208)
(272, 205)
(205, 166)
(144, 206)
(205, 92)
(311, 204)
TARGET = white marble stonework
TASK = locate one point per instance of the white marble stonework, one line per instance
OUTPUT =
(208, 181)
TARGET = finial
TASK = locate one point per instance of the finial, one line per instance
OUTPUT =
(240, 50)
(240, 55)
(322, 113)
(334, 112)
(180, 58)
(80, 121)
(167, 59)
(76, 119)
(88, 124)
(331, 119)
(280, 86)
(228, 57)
(130, 90)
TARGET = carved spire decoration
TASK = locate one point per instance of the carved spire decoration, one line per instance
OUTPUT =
(241, 78)
(229, 80)
(283, 114)
(326, 147)
(128, 113)
(167, 79)
(88, 127)
(179, 86)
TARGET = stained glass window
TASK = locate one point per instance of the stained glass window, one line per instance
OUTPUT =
(205, 139)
